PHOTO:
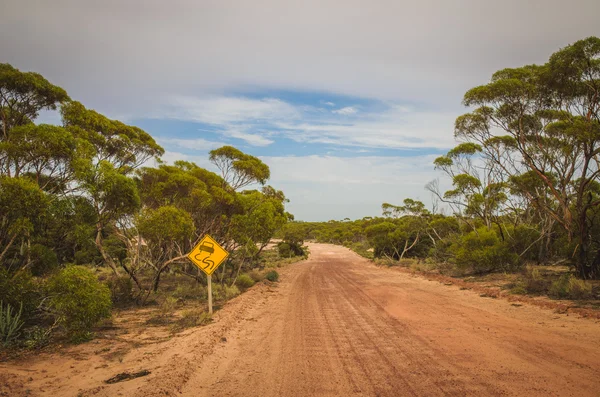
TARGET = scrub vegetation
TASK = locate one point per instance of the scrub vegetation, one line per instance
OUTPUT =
(91, 218)
(525, 195)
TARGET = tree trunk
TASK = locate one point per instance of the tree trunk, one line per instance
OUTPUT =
(107, 259)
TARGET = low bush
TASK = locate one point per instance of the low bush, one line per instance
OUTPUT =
(272, 276)
(190, 291)
(224, 292)
(256, 275)
(121, 290)
(20, 289)
(192, 318)
(569, 287)
(78, 300)
(289, 249)
(36, 337)
(244, 281)
(482, 251)
(534, 282)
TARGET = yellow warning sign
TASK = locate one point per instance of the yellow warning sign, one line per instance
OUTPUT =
(208, 255)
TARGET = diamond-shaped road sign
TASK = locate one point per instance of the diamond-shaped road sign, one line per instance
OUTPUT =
(208, 255)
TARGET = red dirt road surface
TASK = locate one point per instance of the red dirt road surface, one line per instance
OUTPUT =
(336, 325)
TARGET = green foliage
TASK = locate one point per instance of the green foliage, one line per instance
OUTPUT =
(483, 251)
(20, 290)
(10, 323)
(36, 337)
(192, 318)
(244, 281)
(534, 281)
(190, 291)
(256, 275)
(569, 287)
(239, 169)
(224, 292)
(43, 260)
(165, 224)
(77, 299)
(121, 290)
(272, 276)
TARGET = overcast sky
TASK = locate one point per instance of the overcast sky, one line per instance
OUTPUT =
(347, 101)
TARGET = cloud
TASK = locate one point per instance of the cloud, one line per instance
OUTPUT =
(345, 111)
(259, 122)
(234, 117)
(428, 51)
(195, 144)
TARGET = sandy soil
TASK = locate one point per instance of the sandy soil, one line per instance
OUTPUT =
(336, 325)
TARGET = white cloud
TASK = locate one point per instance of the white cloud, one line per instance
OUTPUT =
(259, 122)
(329, 187)
(425, 51)
(195, 143)
(225, 110)
(252, 139)
(345, 111)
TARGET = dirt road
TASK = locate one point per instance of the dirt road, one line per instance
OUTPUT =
(336, 325)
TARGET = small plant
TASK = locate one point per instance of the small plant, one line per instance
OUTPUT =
(568, 286)
(256, 276)
(121, 290)
(534, 282)
(272, 276)
(192, 318)
(189, 291)
(10, 323)
(168, 306)
(223, 292)
(37, 337)
(244, 281)
(579, 289)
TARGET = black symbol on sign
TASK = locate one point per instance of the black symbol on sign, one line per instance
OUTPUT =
(206, 247)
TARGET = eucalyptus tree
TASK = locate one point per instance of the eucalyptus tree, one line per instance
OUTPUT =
(546, 120)
(239, 169)
(114, 151)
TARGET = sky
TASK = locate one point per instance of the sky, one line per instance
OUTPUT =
(348, 102)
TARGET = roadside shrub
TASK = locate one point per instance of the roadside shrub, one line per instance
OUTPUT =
(121, 290)
(10, 323)
(289, 249)
(190, 291)
(192, 318)
(256, 275)
(168, 306)
(78, 300)
(272, 276)
(482, 252)
(224, 292)
(534, 282)
(285, 250)
(20, 289)
(36, 337)
(244, 281)
(579, 289)
(568, 286)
